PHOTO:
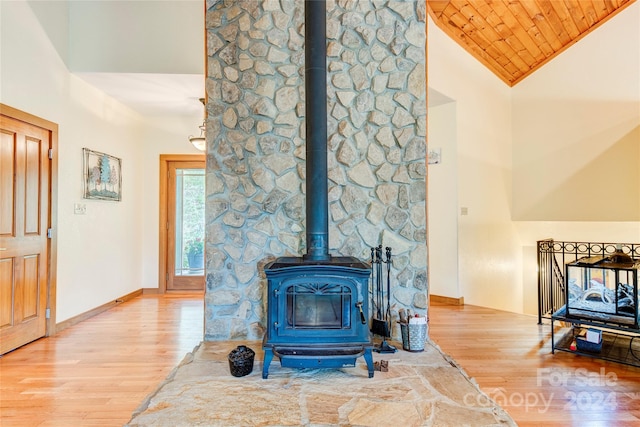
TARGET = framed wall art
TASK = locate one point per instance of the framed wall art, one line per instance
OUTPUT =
(102, 176)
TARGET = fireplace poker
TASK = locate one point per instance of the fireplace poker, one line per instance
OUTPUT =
(388, 315)
(379, 282)
(381, 323)
(378, 324)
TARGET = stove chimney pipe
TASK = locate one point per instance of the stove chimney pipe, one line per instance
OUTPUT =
(317, 204)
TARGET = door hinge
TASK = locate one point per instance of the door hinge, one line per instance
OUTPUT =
(50, 153)
(167, 278)
(49, 233)
(47, 313)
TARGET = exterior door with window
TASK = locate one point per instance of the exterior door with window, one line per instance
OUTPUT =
(185, 221)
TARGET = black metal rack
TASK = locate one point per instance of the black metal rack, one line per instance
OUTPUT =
(619, 344)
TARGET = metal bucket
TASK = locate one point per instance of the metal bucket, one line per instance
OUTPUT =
(414, 336)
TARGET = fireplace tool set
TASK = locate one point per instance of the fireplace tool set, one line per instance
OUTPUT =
(381, 300)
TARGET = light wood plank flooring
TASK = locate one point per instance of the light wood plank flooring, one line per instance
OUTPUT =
(97, 372)
(509, 355)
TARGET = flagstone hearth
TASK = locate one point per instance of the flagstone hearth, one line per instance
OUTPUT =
(419, 389)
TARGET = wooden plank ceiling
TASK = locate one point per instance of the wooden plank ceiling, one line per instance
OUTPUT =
(513, 38)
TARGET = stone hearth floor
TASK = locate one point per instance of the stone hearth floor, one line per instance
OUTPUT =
(419, 389)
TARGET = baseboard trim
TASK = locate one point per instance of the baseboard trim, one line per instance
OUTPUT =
(437, 299)
(93, 312)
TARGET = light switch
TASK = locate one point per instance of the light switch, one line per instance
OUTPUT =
(80, 209)
(434, 156)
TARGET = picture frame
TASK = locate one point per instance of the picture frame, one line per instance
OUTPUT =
(102, 176)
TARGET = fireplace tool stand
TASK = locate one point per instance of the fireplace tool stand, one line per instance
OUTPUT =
(381, 323)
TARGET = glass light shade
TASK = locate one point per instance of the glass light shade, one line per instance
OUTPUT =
(200, 142)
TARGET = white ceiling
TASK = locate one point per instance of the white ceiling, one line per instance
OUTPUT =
(152, 94)
(146, 54)
(156, 72)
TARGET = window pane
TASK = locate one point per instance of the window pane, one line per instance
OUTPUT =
(189, 238)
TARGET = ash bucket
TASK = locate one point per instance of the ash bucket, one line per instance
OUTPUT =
(241, 361)
(414, 334)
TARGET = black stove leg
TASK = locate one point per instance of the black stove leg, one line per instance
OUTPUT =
(368, 357)
(268, 356)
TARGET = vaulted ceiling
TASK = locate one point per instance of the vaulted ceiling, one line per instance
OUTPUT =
(513, 38)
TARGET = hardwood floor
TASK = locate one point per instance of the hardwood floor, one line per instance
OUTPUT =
(97, 372)
(509, 355)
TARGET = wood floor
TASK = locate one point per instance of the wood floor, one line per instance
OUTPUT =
(509, 356)
(97, 372)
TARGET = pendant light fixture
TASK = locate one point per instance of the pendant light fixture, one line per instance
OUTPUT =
(200, 141)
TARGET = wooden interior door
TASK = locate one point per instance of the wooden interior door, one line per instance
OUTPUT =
(24, 224)
(184, 222)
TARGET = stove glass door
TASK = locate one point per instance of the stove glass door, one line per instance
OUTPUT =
(318, 306)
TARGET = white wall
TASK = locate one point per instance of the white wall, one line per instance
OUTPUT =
(576, 130)
(100, 254)
(442, 209)
(125, 36)
(163, 135)
(576, 139)
(53, 16)
(580, 110)
(489, 260)
(136, 36)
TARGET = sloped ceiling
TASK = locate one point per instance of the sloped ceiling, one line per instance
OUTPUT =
(513, 38)
(148, 55)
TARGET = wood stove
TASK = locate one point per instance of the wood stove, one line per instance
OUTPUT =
(316, 313)
(317, 304)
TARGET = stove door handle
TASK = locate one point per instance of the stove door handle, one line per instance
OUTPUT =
(362, 318)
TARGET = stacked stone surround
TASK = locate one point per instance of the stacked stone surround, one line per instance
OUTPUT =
(256, 148)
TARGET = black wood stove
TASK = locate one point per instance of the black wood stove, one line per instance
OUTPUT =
(316, 313)
(317, 304)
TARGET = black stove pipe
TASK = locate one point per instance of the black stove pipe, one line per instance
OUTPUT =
(317, 204)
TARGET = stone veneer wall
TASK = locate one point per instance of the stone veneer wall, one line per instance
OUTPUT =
(256, 150)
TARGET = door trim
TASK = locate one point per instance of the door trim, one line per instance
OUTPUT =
(52, 128)
(162, 223)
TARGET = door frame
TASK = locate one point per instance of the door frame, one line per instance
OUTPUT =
(52, 249)
(163, 223)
